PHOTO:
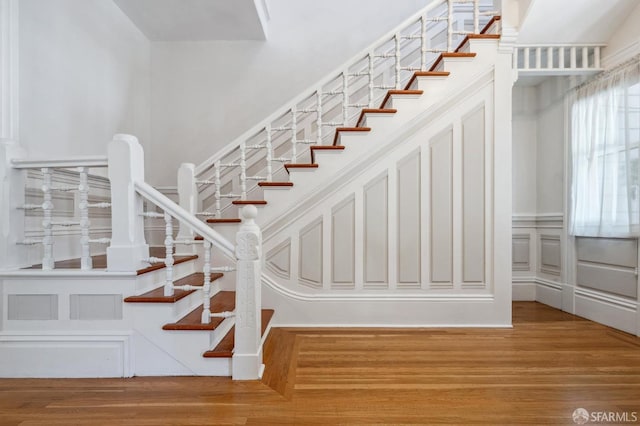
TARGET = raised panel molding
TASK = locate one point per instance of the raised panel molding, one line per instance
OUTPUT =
(550, 254)
(343, 244)
(441, 244)
(520, 252)
(409, 222)
(310, 256)
(376, 234)
(278, 260)
(93, 307)
(473, 207)
(33, 307)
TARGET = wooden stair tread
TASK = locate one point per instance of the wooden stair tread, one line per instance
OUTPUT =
(276, 184)
(157, 295)
(224, 349)
(300, 166)
(221, 302)
(426, 74)
(230, 220)
(477, 37)
(490, 23)
(176, 260)
(199, 238)
(399, 92)
(451, 55)
(374, 111)
(247, 202)
(315, 148)
(348, 129)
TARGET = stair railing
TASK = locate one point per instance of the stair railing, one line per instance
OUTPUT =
(260, 153)
(53, 176)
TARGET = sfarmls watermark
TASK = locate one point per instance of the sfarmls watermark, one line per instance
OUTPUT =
(582, 416)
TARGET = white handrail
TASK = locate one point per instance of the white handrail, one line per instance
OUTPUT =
(61, 163)
(230, 147)
(183, 216)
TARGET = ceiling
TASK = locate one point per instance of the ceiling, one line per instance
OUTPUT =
(198, 20)
(572, 21)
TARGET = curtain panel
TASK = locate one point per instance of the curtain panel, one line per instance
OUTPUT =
(605, 137)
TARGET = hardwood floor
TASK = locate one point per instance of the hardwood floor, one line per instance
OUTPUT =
(539, 372)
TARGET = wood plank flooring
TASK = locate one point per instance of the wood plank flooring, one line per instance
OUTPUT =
(539, 372)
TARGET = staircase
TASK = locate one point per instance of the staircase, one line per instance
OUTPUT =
(399, 153)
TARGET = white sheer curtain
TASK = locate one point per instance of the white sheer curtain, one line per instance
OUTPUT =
(605, 137)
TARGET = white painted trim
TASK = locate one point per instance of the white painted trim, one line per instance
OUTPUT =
(391, 326)
(9, 70)
(621, 55)
(88, 161)
(64, 273)
(370, 297)
(615, 301)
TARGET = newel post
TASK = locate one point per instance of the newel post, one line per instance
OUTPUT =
(247, 356)
(188, 199)
(126, 166)
(12, 186)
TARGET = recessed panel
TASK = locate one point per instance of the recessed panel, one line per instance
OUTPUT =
(25, 307)
(441, 209)
(278, 260)
(376, 240)
(473, 197)
(343, 245)
(310, 268)
(95, 307)
(409, 222)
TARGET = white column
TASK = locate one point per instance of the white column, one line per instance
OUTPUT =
(188, 200)
(12, 185)
(9, 70)
(83, 195)
(126, 165)
(247, 355)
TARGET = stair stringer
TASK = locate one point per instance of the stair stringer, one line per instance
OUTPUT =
(305, 299)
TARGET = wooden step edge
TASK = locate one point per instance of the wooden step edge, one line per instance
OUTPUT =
(247, 202)
(224, 349)
(275, 184)
(199, 238)
(477, 37)
(451, 55)
(300, 166)
(426, 74)
(220, 302)
(176, 261)
(339, 130)
(230, 220)
(366, 111)
(490, 23)
(315, 148)
(399, 92)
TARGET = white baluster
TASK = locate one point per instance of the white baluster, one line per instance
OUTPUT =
(269, 146)
(561, 58)
(168, 258)
(371, 77)
(319, 117)
(398, 55)
(243, 170)
(596, 57)
(549, 57)
(573, 58)
(294, 137)
(476, 16)
(449, 25)
(527, 54)
(47, 208)
(218, 195)
(423, 42)
(345, 98)
(585, 57)
(538, 58)
(83, 206)
(206, 287)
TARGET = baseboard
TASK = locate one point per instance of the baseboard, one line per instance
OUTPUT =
(523, 290)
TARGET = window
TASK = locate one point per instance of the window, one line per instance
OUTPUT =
(605, 148)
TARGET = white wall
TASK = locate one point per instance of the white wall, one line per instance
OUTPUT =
(205, 94)
(525, 123)
(625, 42)
(84, 76)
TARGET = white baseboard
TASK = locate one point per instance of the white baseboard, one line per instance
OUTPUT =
(524, 291)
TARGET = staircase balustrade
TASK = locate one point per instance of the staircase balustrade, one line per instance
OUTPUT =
(557, 59)
(334, 102)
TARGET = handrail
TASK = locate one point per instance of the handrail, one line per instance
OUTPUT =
(230, 147)
(183, 216)
(86, 161)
